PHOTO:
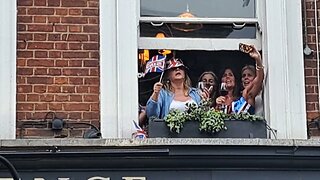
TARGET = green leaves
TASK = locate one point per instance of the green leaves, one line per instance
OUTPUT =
(175, 120)
(210, 120)
(244, 117)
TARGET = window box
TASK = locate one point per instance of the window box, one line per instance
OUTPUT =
(236, 129)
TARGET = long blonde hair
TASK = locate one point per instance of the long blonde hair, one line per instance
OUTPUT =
(186, 83)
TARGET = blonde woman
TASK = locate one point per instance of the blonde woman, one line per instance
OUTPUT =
(174, 92)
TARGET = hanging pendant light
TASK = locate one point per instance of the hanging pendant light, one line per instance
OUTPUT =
(186, 27)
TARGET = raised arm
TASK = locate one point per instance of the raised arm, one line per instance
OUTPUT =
(251, 91)
(153, 106)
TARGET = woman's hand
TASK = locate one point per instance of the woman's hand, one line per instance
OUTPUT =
(157, 87)
(255, 54)
(156, 90)
(206, 93)
(220, 100)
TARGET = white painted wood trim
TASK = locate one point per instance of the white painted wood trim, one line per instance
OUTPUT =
(8, 69)
(195, 43)
(285, 92)
(108, 70)
(298, 122)
(118, 53)
(199, 20)
(127, 66)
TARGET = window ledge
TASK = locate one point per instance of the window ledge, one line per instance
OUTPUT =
(125, 142)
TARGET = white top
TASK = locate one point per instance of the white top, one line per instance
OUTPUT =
(259, 111)
(180, 105)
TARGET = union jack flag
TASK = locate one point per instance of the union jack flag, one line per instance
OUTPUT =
(140, 133)
(155, 64)
(173, 63)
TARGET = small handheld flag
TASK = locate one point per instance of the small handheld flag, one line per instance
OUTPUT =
(136, 125)
(140, 133)
(155, 64)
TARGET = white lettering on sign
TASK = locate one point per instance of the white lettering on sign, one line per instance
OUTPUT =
(98, 178)
(134, 178)
(92, 178)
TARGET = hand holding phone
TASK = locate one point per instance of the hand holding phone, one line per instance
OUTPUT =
(245, 48)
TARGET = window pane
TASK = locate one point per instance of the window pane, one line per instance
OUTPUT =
(199, 8)
(197, 31)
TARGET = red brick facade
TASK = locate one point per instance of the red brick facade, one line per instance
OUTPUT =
(310, 65)
(57, 65)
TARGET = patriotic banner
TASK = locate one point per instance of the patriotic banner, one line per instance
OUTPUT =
(240, 106)
(140, 133)
(155, 64)
(136, 126)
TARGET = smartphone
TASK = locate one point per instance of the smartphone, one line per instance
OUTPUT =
(245, 48)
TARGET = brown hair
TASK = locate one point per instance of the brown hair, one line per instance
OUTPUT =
(216, 83)
(235, 92)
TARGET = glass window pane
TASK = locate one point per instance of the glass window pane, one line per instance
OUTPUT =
(203, 31)
(199, 8)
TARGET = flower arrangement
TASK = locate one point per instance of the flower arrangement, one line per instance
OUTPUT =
(210, 120)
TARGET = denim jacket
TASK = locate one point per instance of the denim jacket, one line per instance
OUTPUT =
(160, 108)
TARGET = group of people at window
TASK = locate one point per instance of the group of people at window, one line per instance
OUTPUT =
(175, 90)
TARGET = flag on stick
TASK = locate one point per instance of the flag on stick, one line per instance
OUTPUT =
(155, 64)
(140, 133)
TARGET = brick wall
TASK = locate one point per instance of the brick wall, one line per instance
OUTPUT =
(57, 66)
(310, 65)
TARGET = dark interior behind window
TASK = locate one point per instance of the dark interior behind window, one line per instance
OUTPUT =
(197, 62)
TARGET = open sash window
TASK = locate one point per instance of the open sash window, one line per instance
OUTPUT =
(204, 34)
(198, 25)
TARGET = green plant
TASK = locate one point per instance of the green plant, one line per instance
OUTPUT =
(210, 120)
(175, 120)
(244, 117)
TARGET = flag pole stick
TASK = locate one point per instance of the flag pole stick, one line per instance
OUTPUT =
(161, 76)
(165, 66)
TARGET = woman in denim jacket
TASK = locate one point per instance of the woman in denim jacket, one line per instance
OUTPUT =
(174, 92)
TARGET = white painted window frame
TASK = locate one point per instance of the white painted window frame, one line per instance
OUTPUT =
(285, 103)
(200, 43)
(8, 33)
(195, 43)
(282, 56)
(199, 20)
(118, 53)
